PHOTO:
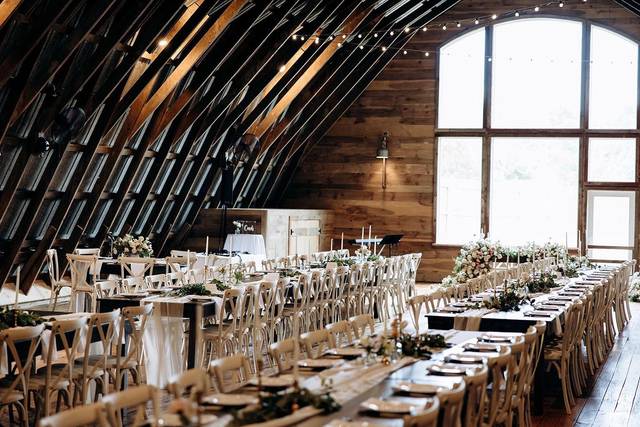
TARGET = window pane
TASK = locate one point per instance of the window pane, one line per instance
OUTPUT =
(612, 160)
(459, 186)
(534, 190)
(536, 74)
(613, 81)
(461, 82)
(610, 219)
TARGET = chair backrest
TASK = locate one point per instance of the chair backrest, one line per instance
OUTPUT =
(136, 398)
(499, 367)
(269, 264)
(132, 284)
(155, 281)
(192, 381)
(80, 266)
(59, 342)
(23, 362)
(361, 323)
(341, 333)
(230, 373)
(129, 266)
(87, 251)
(451, 402)
(415, 304)
(107, 288)
(53, 266)
(282, 353)
(476, 385)
(133, 321)
(105, 326)
(229, 309)
(428, 417)
(174, 263)
(317, 342)
(88, 415)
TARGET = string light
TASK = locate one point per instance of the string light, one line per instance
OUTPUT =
(361, 44)
(163, 42)
(282, 68)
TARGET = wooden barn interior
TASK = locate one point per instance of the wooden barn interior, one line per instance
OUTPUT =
(336, 212)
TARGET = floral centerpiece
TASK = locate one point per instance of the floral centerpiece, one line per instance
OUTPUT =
(363, 252)
(191, 289)
(634, 288)
(511, 298)
(475, 259)
(542, 282)
(129, 245)
(10, 318)
(421, 345)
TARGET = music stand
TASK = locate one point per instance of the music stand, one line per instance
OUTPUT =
(390, 240)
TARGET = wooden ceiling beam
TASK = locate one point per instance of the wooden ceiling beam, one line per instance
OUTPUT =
(7, 9)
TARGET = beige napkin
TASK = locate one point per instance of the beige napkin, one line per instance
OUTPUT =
(470, 320)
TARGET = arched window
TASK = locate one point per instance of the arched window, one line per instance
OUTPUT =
(537, 136)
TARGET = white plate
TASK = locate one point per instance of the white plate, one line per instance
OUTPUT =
(481, 347)
(343, 423)
(495, 338)
(200, 297)
(448, 369)
(133, 294)
(461, 358)
(407, 387)
(346, 352)
(387, 406)
(173, 420)
(280, 381)
(230, 400)
(451, 310)
(318, 363)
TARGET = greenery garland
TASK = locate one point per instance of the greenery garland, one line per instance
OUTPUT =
(10, 318)
(510, 299)
(421, 346)
(541, 283)
(278, 405)
(191, 289)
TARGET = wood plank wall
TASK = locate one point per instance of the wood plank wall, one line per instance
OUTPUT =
(341, 172)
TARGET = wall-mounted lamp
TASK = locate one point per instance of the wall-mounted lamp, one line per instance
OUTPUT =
(383, 153)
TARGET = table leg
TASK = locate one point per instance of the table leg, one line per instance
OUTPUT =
(195, 337)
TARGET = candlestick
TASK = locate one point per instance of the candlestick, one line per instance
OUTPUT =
(342, 241)
(369, 242)
(375, 245)
(331, 245)
(17, 286)
(206, 247)
(362, 238)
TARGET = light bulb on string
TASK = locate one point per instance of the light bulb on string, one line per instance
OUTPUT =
(359, 36)
(458, 24)
(424, 28)
(384, 48)
(444, 27)
(294, 37)
(301, 37)
(494, 16)
(407, 29)
(317, 40)
(339, 44)
(426, 54)
(361, 47)
(344, 36)
(517, 14)
(375, 35)
(391, 33)
(561, 4)
(404, 52)
(536, 9)
(330, 38)
(476, 21)
(282, 68)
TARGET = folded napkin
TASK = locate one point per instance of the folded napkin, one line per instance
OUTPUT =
(470, 320)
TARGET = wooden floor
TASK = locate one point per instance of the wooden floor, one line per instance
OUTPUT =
(614, 397)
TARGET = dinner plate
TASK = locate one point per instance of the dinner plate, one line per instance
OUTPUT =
(345, 352)
(230, 400)
(481, 347)
(451, 310)
(344, 423)
(413, 388)
(462, 359)
(546, 307)
(387, 406)
(495, 338)
(447, 369)
(280, 381)
(174, 420)
(134, 294)
(538, 313)
(200, 297)
(318, 363)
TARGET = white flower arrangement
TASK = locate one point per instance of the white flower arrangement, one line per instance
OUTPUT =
(129, 245)
(238, 226)
(363, 252)
(634, 288)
